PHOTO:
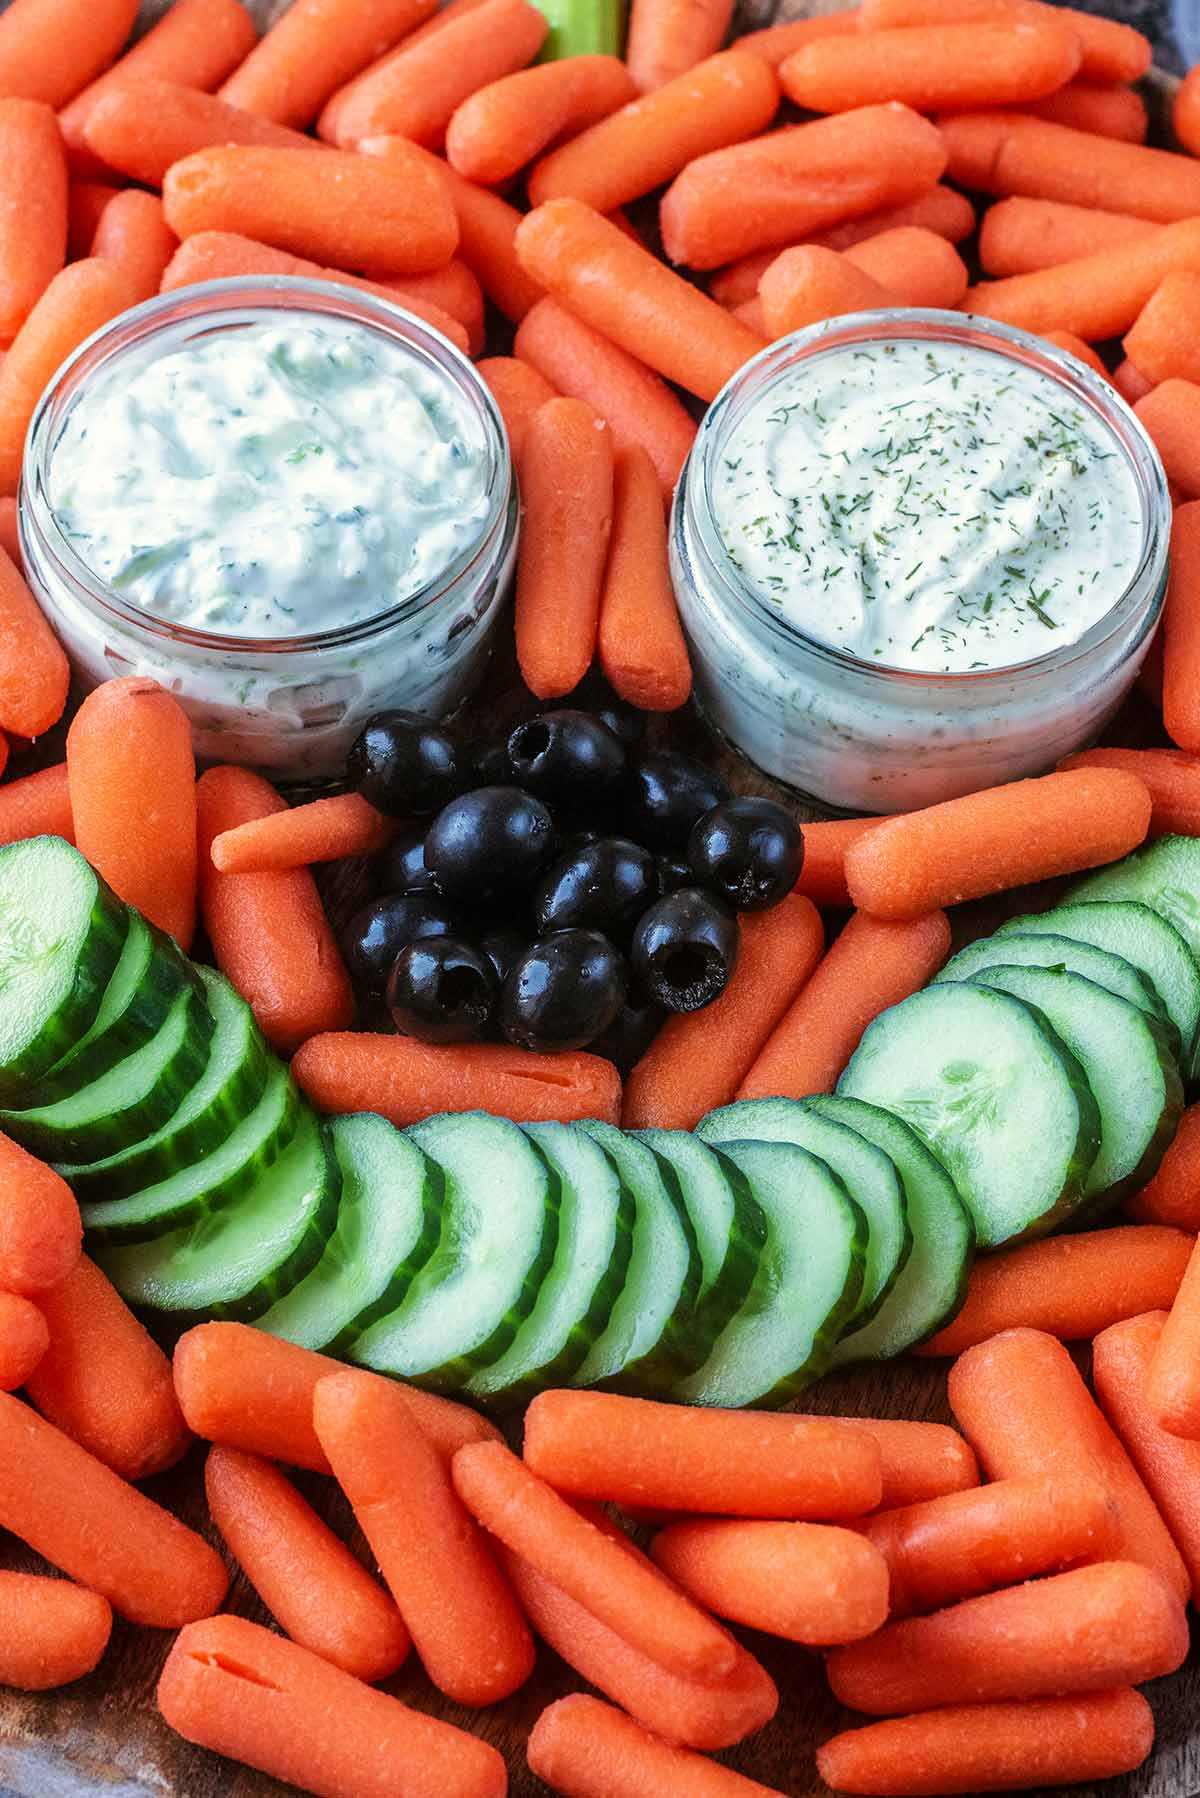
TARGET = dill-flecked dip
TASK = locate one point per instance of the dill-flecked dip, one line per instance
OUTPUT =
(928, 506)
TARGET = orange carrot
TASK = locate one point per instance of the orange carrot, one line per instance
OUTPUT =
(472, 1639)
(24, 1339)
(1162, 339)
(999, 838)
(1130, 382)
(86, 201)
(803, 1581)
(720, 102)
(33, 208)
(782, 188)
(1171, 413)
(324, 830)
(502, 127)
(641, 645)
(1113, 111)
(1181, 618)
(1111, 52)
(1096, 296)
(519, 391)
(638, 406)
(1173, 1196)
(37, 805)
(1070, 1286)
(40, 1231)
(805, 285)
(918, 1460)
(134, 234)
(1185, 115)
(1021, 1402)
(51, 1632)
(823, 875)
(77, 302)
(871, 965)
(34, 675)
(567, 500)
(51, 49)
(415, 91)
(453, 289)
(319, 1594)
(699, 1059)
(142, 128)
(251, 1695)
(387, 218)
(100, 1531)
(966, 1543)
(993, 1747)
(667, 38)
(10, 536)
(1083, 352)
(269, 932)
(1173, 1381)
(530, 1518)
(1012, 153)
(313, 48)
(625, 293)
(195, 42)
(447, 14)
(105, 1382)
(777, 42)
(585, 1749)
(141, 839)
(1020, 236)
(1172, 777)
(246, 1390)
(743, 1463)
(916, 265)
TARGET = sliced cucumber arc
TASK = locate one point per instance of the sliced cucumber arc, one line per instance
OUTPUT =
(499, 1228)
(806, 1289)
(591, 1258)
(1000, 1100)
(1015, 949)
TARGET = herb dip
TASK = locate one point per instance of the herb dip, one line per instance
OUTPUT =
(928, 505)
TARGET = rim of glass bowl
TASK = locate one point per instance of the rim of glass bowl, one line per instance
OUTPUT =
(226, 304)
(1145, 587)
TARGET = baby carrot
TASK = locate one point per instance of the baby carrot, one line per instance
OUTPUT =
(37, 805)
(967, 1543)
(33, 208)
(51, 1632)
(1185, 115)
(464, 1621)
(803, 1581)
(40, 1231)
(318, 1593)
(33, 668)
(100, 1531)
(1181, 617)
(77, 302)
(1012, 153)
(667, 38)
(530, 1518)
(871, 965)
(453, 289)
(1021, 1402)
(1130, 382)
(1113, 111)
(1096, 296)
(805, 285)
(916, 265)
(721, 101)
(501, 128)
(698, 1060)
(1083, 352)
(445, 15)
(585, 1749)
(1019, 236)
(10, 536)
(324, 830)
(51, 49)
(104, 1382)
(416, 91)
(641, 645)
(1173, 1196)
(255, 1697)
(993, 1747)
(781, 188)
(567, 503)
(823, 875)
(406, 1080)
(24, 1339)
(195, 42)
(636, 1451)
(1173, 1380)
(134, 234)
(1171, 775)
(142, 128)
(519, 391)
(86, 201)
(269, 932)
(384, 217)
(1070, 1286)
(775, 43)
(918, 1460)
(1001, 837)
(1162, 339)
(246, 1390)
(637, 405)
(141, 837)
(1111, 52)
(1171, 413)
(312, 49)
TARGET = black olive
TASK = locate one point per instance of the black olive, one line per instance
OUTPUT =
(605, 885)
(489, 843)
(378, 932)
(566, 757)
(400, 867)
(564, 992)
(504, 948)
(666, 795)
(750, 851)
(673, 873)
(442, 990)
(405, 765)
(685, 949)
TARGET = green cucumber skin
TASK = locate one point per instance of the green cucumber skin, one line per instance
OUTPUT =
(248, 1306)
(402, 1278)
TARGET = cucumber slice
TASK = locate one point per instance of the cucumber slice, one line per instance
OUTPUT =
(209, 1186)
(806, 1289)
(595, 1240)
(234, 1080)
(651, 1339)
(1132, 930)
(1015, 949)
(499, 1229)
(727, 1219)
(865, 1171)
(61, 935)
(1129, 1067)
(131, 1100)
(236, 1264)
(388, 1222)
(932, 1284)
(995, 1094)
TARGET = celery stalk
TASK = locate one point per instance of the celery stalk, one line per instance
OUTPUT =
(583, 28)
